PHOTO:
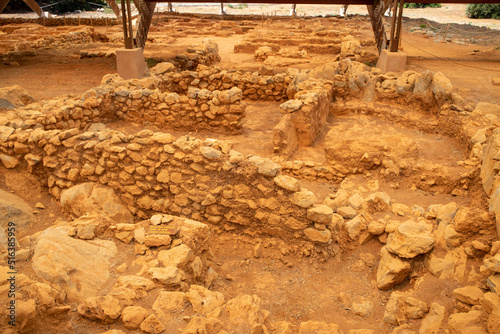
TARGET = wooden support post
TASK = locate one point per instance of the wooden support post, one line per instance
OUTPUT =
(126, 37)
(396, 26)
(146, 11)
(114, 7)
(3, 3)
(129, 20)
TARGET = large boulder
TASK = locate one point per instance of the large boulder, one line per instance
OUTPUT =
(14, 209)
(80, 267)
(392, 270)
(466, 323)
(409, 240)
(14, 97)
(91, 197)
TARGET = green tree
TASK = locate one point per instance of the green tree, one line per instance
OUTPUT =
(483, 11)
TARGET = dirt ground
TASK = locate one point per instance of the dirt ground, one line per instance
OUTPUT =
(293, 289)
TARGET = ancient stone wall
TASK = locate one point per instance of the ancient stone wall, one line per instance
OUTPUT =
(202, 180)
(253, 85)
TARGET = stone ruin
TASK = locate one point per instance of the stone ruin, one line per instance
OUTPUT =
(122, 189)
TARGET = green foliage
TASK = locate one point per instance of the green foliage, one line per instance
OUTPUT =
(66, 6)
(483, 11)
(422, 5)
(239, 6)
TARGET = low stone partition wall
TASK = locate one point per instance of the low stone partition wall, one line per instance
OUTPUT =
(62, 21)
(200, 109)
(253, 85)
(157, 172)
(305, 118)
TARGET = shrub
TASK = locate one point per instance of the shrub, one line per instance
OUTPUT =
(483, 11)
(422, 5)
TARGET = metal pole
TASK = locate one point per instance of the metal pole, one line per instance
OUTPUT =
(130, 32)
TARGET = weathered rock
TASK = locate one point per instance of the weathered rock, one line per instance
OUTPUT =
(467, 323)
(287, 182)
(494, 283)
(204, 300)
(162, 68)
(210, 153)
(169, 300)
(316, 327)
(26, 316)
(194, 234)
(410, 239)
(133, 316)
(152, 325)
(91, 197)
(296, 224)
(133, 286)
(431, 323)
(451, 236)
(377, 202)
(320, 213)
(485, 108)
(265, 166)
(284, 327)
(444, 213)
(80, 267)
(14, 209)
(105, 309)
(291, 106)
(356, 226)
(9, 161)
(441, 88)
(170, 276)
(468, 295)
(313, 234)
(156, 240)
(14, 97)
(442, 268)
(176, 257)
(466, 220)
(243, 312)
(377, 227)
(364, 309)
(394, 313)
(494, 321)
(303, 198)
(414, 308)
(203, 325)
(392, 270)
(346, 212)
(493, 263)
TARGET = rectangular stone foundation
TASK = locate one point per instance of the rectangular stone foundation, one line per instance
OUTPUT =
(391, 61)
(130, 63)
